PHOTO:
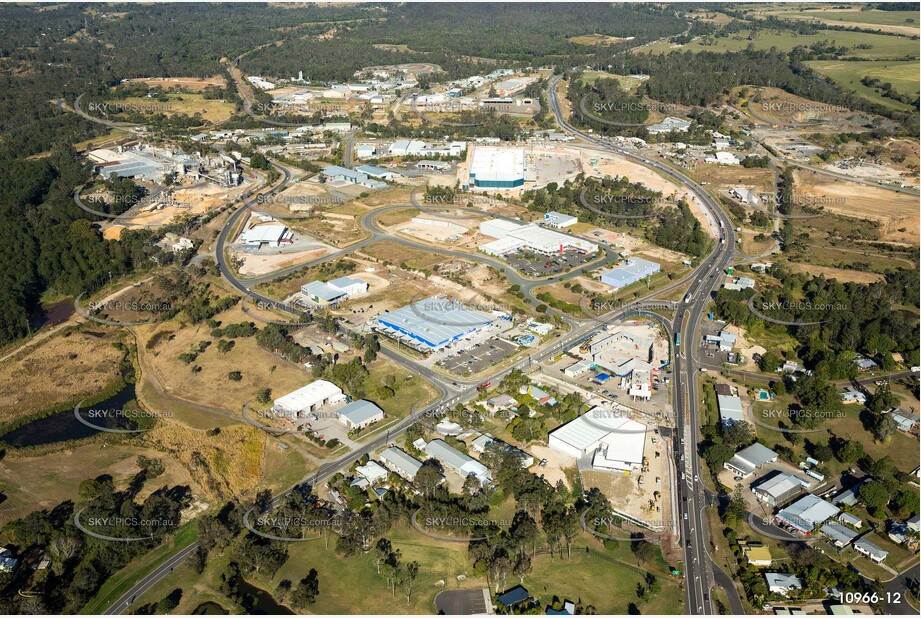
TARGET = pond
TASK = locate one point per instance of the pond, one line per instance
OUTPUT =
(65, 426)
(258, 602)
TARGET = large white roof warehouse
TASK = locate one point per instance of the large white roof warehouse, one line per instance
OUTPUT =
(308, 398)
(513, 236)
(621, 440)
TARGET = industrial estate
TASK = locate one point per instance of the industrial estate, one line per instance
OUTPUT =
(586, 309)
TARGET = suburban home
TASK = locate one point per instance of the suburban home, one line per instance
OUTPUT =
(372, 471)
(782, 583)
(865, 548)
(838, 535)
(851, 520)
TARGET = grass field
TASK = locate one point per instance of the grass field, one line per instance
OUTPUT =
(44, 481)
(881, 45)
(902, 75)
(352, 585)
(74, 363)
(626, 82)
(211, 110)
(899, 22)
(902, 449)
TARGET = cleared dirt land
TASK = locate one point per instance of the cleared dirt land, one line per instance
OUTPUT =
(75, 363)
(896, 213)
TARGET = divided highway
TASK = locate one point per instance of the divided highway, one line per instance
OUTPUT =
(700, 571)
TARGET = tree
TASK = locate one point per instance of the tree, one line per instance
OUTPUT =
(883, 426)
(882, 398)
(522, 567)
(874, 495)
(306, 591)
(409, 579)
(382, 553)
(849, 451)
(735, 509)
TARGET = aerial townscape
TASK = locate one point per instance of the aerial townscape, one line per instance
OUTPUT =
(460, 308)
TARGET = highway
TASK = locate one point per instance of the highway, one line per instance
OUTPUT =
(700, 571)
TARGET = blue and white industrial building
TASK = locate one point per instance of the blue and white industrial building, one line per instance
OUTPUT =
(628, 272)
(432, 324)
(497, 168)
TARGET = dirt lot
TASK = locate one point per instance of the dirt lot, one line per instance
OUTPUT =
(844, 275)
(262, 264)
(81, 363)
(628, 496)
(191, 200)
(896, 213)
(194, 84)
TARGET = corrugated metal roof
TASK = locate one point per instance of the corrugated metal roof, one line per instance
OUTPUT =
(359, 411)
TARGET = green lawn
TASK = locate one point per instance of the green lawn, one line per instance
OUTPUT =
(902, 75)
(881, 45)
(604, 578)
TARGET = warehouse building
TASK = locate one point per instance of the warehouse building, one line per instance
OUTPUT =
(558, 220)
(779, 488)
(359, 414)
(308, 399)
(730, 409)
(337, 173)
(629, 271)
(431, 324)
(333, 292)
(497, 168)
(400, 462)
(511, 237)
(749, 459)
(266, 235)
(806, 513)
(460, 463)
(616, 442)
(406, 147)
